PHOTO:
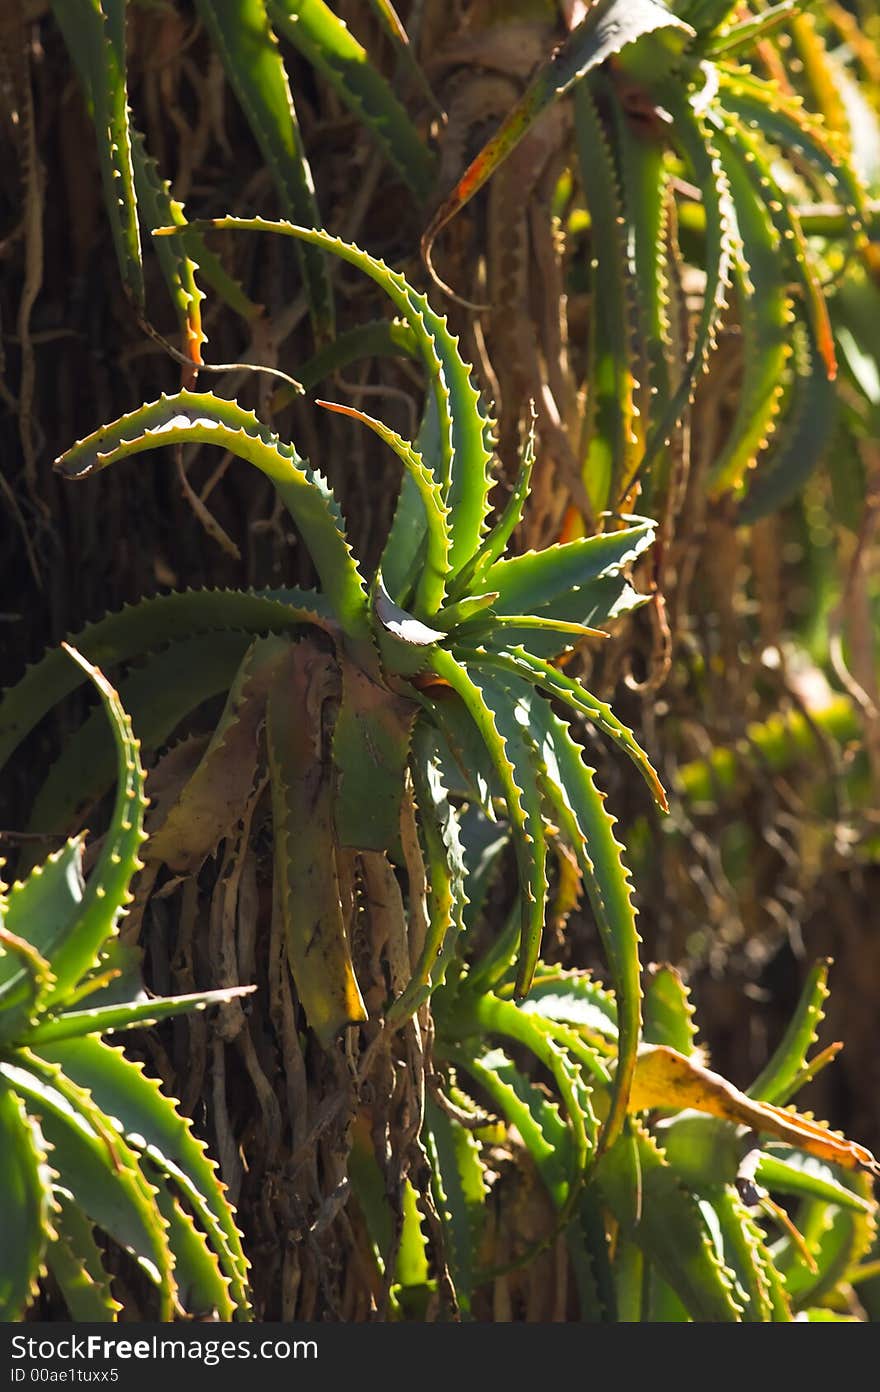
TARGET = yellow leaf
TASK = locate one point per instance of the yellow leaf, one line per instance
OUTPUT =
(665, 1078)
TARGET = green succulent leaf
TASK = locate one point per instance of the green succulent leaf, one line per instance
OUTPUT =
(69, 923)
(573, 998)
(498, 719)
(803, 439)
(578, 581)
(110, 1019)
(525, 1105)
(333, 50)
(202, 418)
(447, 898)
(747, 1257)
(76, 1263)
(156, 208)
(494, 544)
(745, 34)
(669, 1014)
(254, 67)
(802, 1176)
(431, 585)
(784, 122)
(765, 313)
(458, 1178)
(26, 985)
(146, 627)
(27, 1205)
(669, 1226)
(837, 1239)
(775, 1083)
(110, 1186)
(566, 689)
(486, 1014)
(646, 208)
(204, 1290)
(694, 140)
(462, 466)
(466, 762)
(156, 1130)
(611, 390)
(94, 31)
(588, 827)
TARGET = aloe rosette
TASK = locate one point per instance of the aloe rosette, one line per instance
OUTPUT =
(712, 1204)
(95, 1157)
(690, 142)
(451, 637)
(431, 691)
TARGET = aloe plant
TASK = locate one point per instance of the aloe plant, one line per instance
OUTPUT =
(95, 1157)
(447, 652)
(244, 33)
(663, 94)
(390, 712)
(676, 1220)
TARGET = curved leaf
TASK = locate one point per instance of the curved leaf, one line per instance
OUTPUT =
(27, 1205)
(566, 689)
(194, 417)
(94, 31)
(328, 44)
(463, 463)
(525, 1106)
(144, 627)
(458, 1178)
(802, 440)
(670, 1227)
(97, 1163)
(109, 1019)
(588, 827)
(775, 1081)
(75, 1261)
(611, 387)
(694, 141)
(255, 70)
(765, 312)
(431, 585)
(499, 724)
(151, 1123)
(573, 998)
(577, 581)
(203, 1290)
(447, 897)
(669, 1014)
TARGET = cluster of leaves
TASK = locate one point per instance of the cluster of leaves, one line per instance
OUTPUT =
(673, 1221)
(94, 1156)
(663, 102)
(435, 679)
(244, 33)
(664, 105)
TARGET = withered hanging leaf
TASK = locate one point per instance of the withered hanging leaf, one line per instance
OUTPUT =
(214, 797)
(305, 846)
(665, 1078)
